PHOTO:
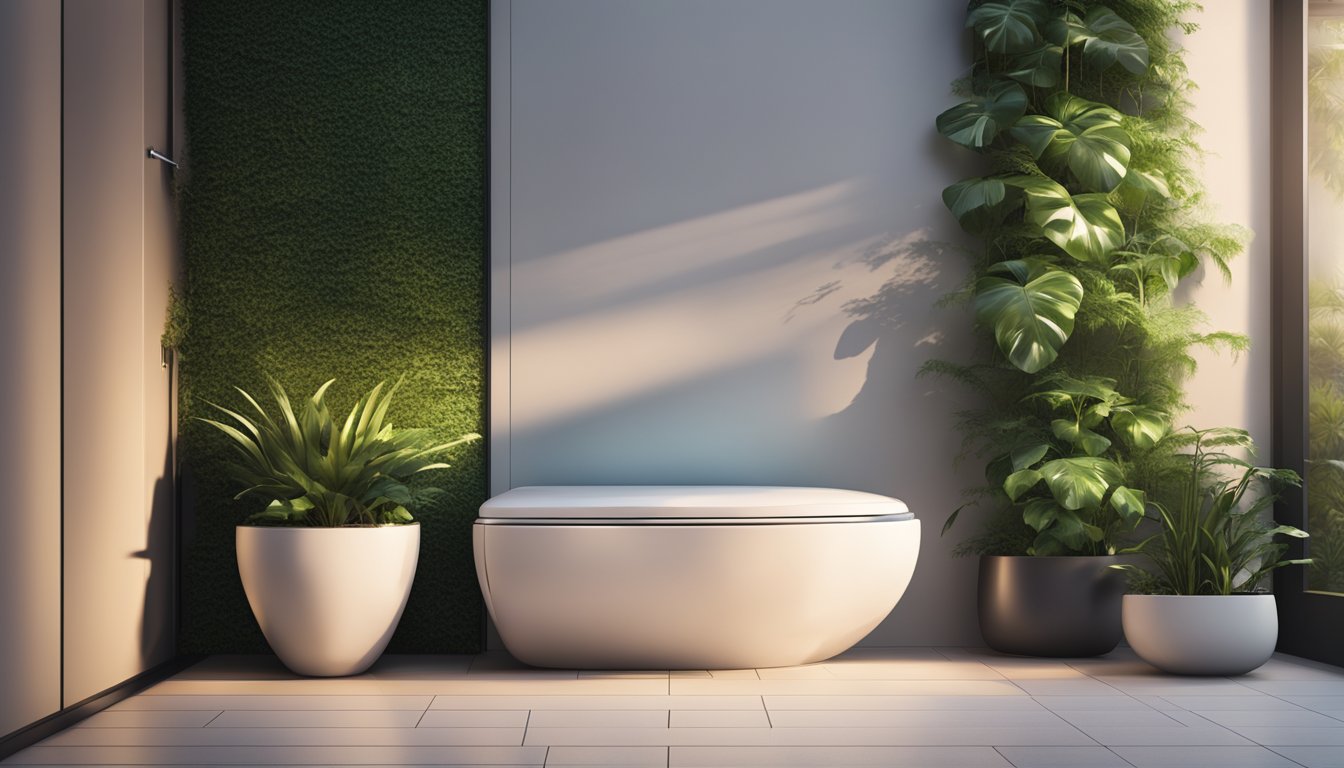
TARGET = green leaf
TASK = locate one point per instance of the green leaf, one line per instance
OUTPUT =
(1110, 39)
(1075, 434)
(976, 123)
(1031, 311)
(1066, 30)
(1040, 513)
(1140, 426)
(1039, 67)
(1020, 482)
(1080, 482)
(1009, 26)
(1026, 457)
(1083, 135)
(979, 204)
(1128, 504)
(1140, 187)
(1085, 226)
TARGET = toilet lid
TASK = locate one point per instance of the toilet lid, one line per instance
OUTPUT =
(687, 502)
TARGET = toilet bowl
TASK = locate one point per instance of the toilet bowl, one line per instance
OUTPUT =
(690, 577)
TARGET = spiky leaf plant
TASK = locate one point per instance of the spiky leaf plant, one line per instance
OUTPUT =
(1213, 539)
(317, 472)
(1089, 216)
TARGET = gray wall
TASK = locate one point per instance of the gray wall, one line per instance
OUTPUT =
(717, 245)
(30, 345)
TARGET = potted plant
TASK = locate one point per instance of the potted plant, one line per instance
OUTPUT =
(328, 564)
(1088, 218)
(1201, 612)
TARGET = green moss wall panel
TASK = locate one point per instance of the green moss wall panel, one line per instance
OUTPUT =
(333, 222)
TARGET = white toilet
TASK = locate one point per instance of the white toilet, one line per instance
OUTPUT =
(690, 577)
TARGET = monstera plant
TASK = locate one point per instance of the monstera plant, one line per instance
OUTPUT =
(1086, 214)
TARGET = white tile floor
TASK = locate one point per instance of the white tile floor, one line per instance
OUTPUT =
(926, 707)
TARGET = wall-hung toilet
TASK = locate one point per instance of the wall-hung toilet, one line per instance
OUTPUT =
(690, 577)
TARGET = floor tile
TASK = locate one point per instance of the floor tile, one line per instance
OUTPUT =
(1203, 757)
(287, 737)
(472, 718)
(809, 672)
(1316, 703)
(1193, 730)
(248, 755)
(587, 718)
(627, 757)
(526, 686)
(1283, 667)
(836, 757)
(1232, 703)
(912, 670)
(1278, 736)
(705, 718)
(1313, 757)
(903, 703)
(663, 702)
(278, 702)
(1083, 703)
(1298, 687)
(1084, 686)
(876, 718)
(1062, 757)
(1062, 735)
(1285, 718)
(151, 718)
(845, 687)
(328, 718)
(607, 674)
(1124, 718)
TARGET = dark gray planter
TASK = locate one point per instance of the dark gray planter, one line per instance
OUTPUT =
(1050, 606)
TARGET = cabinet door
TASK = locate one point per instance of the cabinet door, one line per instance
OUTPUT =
(118, 567)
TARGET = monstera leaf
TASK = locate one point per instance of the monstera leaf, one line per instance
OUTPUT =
(1141, 187)
(977, 122)
(1081, 134)
(1038, 67)
(1008, 26)
(1110, 39)
(1139, 425)
(980, 204)
(1076, 434)
(1031, 310)
(1080, 482)
(1085, 226)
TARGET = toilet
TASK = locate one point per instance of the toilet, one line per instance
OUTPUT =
(690, 577)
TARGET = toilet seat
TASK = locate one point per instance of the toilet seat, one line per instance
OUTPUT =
(682, 505)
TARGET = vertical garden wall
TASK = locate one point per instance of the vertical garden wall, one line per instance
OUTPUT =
(333, 223)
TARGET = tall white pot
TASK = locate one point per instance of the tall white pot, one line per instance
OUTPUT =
(328, 599)
(1202, 634)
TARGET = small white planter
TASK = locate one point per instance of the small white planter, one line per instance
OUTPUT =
(1202, 634)
(328, 599)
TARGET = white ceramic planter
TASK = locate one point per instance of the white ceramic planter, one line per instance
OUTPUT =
(328, 599)
(1202, 634)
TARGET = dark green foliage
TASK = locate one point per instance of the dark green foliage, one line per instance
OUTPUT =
(1325, 435)
(333, 221)
(1093, 186)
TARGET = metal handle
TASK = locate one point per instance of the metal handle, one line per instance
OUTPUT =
(164, 158)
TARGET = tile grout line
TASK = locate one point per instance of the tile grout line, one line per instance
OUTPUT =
(768, 720)
(213, 719)
(428, 707)
(1285, 757)
(527, 723)
(1119, 756)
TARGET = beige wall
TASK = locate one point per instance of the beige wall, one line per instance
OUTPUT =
(118, 260)
(30, 346)
(716, 251)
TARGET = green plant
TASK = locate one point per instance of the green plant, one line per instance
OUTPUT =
(316, 472)
(1089, 219)
(1212, 540)
(1325, 435)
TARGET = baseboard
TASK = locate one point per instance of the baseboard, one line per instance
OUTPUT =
(51, 724)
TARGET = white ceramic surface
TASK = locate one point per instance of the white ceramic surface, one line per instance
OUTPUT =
(328, 599)
(1202, 634)
(747, 592)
